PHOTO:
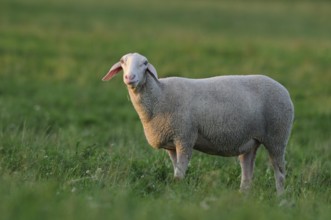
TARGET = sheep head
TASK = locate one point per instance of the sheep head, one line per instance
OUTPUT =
(135, 67)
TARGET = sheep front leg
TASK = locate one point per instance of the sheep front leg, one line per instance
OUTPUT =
(173, 157)
(184, 153)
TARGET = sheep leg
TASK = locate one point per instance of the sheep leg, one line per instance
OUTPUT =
(247, 162)
(173, 157)
(278, 163)
(184, 154)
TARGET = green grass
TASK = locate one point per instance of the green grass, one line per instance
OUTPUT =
(72, 147)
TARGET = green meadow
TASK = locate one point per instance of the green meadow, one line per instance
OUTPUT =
(72, 146)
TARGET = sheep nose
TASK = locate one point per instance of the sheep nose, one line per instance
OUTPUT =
(130, 76)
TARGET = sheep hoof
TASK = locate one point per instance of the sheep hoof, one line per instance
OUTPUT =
(179, 175)
(178, 178)
(244, 191)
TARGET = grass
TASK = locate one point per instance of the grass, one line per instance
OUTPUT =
(72, 147)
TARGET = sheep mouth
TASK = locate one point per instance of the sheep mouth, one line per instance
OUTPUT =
(132, 84)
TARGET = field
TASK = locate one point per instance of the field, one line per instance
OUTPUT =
(72, 146)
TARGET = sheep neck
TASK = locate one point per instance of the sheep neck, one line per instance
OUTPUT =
(145, 97)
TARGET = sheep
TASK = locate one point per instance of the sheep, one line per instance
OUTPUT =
(224, 115)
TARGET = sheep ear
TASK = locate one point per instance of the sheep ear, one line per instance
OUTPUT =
(113, 70)
(151, 69)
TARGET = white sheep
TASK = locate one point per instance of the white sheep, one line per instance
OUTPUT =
(224, 115)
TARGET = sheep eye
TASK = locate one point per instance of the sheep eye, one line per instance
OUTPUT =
(145, 62)
(121, 61)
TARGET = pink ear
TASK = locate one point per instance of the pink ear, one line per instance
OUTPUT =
(151, 69)
(113, 70)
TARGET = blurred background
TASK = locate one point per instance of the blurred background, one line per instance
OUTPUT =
(69, 143)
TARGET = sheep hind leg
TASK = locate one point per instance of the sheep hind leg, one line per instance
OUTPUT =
(278, 163)
(247, 162)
